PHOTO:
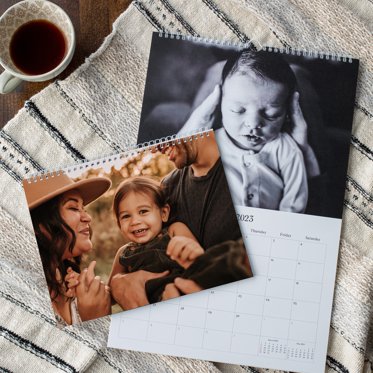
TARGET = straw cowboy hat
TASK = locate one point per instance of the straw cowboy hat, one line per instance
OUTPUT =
(44, 188)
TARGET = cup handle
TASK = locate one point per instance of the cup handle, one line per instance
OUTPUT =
(8, 82)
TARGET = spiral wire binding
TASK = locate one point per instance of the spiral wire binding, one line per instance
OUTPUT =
(239, 45)
(130, 153)
(197, 39)
(177, 138)
(309, 53)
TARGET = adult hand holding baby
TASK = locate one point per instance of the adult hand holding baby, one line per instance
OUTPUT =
(203, 115)
(298, 131)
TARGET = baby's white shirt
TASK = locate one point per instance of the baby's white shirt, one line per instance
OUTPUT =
(274, 178)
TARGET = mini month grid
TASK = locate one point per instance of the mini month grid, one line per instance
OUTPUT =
(278, 319)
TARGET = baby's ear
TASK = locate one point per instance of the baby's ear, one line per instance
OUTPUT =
(165, 212)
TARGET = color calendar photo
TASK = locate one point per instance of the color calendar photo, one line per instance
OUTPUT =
(282, 121)
(98, 225)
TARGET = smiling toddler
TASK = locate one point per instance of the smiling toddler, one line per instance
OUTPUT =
(141, 210)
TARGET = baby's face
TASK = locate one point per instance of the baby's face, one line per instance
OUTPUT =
(253, 109)
(140, 218)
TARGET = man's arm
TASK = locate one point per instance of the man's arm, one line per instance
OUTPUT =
(220, 264)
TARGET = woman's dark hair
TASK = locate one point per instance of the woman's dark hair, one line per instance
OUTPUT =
(139, 184)
(53, 236)
(263, 64)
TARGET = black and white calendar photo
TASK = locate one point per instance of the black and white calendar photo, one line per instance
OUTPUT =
(282, 120)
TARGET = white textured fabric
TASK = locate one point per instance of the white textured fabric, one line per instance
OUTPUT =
(96, 111)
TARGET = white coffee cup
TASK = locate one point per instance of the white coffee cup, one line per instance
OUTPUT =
(16, 16)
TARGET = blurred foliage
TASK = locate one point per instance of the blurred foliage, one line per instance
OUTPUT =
(106, 237)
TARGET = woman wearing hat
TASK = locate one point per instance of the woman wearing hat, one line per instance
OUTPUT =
(63, 233)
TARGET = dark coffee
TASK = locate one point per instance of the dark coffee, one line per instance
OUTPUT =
(37, 47)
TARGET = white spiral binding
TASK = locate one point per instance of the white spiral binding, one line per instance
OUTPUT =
(197, 39)
(130, 153)
(310, 53)
(239, 45)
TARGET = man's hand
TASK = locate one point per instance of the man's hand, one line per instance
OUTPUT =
(170, 291)
(184, 250)
(187, 286)
(180, 285)
(203, 115)
(128, 289)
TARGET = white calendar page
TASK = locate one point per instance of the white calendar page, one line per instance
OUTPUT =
(278, 319)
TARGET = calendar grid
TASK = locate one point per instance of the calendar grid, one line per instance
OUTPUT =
(177, 318)
(323, 280)
(265, 289)
(275, 315)
(204, 328)
(233, 289)
(291, 311)
(235, 307)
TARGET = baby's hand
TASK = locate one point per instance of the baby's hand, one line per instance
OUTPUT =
(184, 250)
(72, 280)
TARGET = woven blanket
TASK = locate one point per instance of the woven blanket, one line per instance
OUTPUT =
(95, 112)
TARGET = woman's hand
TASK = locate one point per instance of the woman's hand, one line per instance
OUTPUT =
(184, 250)
(203, 115)
(72, 280)
(128, 289)
(93, 295)
(298, 132)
